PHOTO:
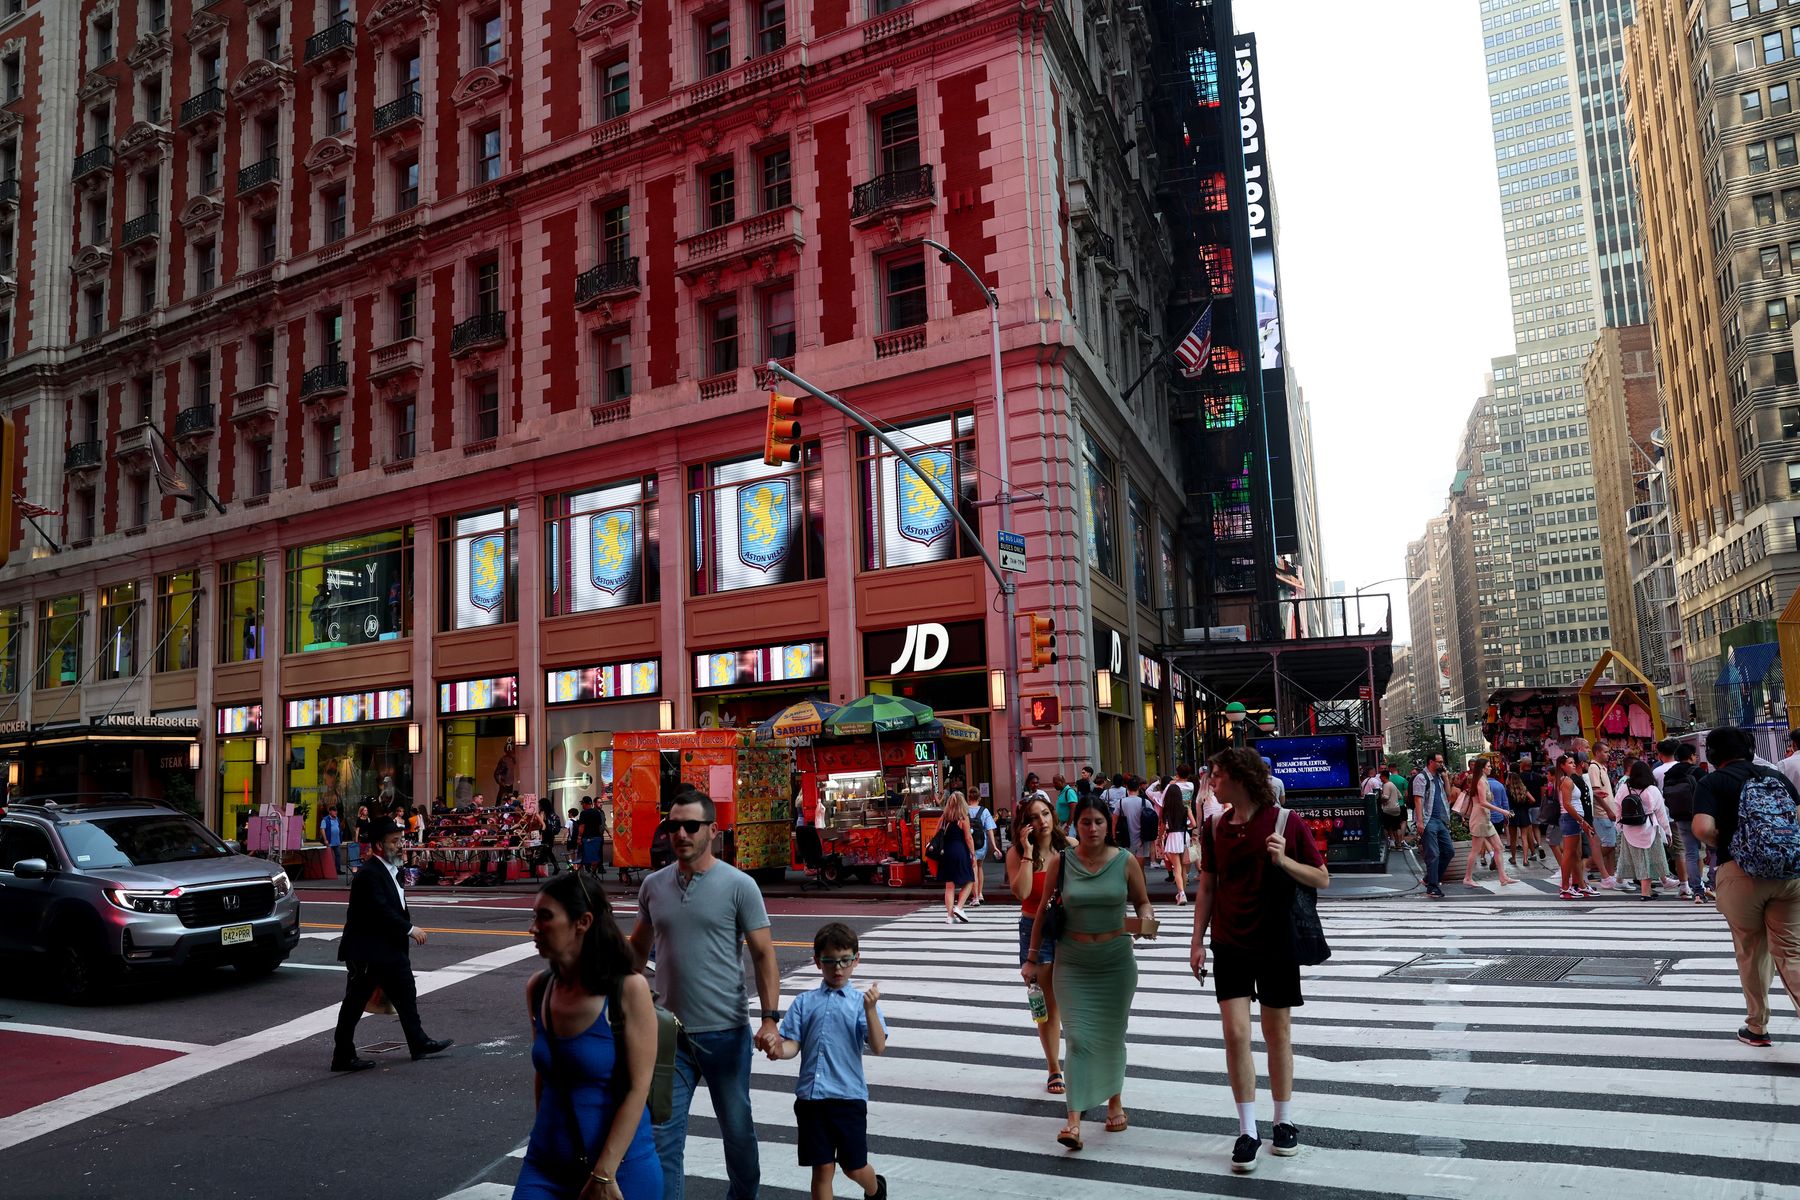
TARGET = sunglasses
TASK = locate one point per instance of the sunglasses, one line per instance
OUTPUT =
(688, 827)
(846, 961)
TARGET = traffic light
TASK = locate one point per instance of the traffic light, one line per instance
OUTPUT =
(1043, 641)
(782, 442)
(6, 487)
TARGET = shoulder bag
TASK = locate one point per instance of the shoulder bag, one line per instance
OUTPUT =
(661, 1098)
(1310, 947)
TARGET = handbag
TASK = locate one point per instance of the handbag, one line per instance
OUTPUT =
(934, 849)
(1053, 915)
(1310, 947)
(661, 1099)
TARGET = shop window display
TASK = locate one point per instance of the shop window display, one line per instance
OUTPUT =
(475, 737)
(12, 646)
(118, 632)
(754, 524)
(478, 557)
(602, 548)
(240, 787)
(1101, 503)
(903, 520)
(1140, 545)
(241, 610)
(587, 706)
(364, 764)
(350, 592)
(177, 618)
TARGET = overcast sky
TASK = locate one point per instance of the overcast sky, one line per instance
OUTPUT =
(1393, 267)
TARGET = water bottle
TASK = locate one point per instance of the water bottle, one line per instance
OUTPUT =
(1040, 1009)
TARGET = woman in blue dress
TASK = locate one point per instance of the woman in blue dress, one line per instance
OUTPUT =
(957, 867)
(592, 1139)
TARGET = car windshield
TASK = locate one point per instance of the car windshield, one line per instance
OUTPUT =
(138, 841)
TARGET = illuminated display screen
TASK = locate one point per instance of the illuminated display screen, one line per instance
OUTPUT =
(797, 662)
(610, 681)
(245, 718)
(350, 708)
(479, 695)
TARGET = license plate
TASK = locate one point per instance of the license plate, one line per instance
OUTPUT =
(237, 935)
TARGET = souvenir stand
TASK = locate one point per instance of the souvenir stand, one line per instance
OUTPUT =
(751, 786)
(472, 846)
(1548, 722)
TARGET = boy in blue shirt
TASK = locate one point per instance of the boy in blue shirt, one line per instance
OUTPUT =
(828, 1027)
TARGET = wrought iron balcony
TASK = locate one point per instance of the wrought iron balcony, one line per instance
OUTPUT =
(99, 158)
(196, 418)
(620, 275)
(1106, 248)
(330, 40)
(138, 228)
(482, 329)
(257, 174)
(911, 188)
(394, 112)
(326, 377)
(208, 103)
(82, 456)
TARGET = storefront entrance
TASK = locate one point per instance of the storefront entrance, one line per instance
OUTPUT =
(348, 749)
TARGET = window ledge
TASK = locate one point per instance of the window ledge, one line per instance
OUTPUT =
(481, 447)
(395, 466)
(324, 485)
(256, 501)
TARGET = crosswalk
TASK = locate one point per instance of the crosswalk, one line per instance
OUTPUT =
(1407, 1085)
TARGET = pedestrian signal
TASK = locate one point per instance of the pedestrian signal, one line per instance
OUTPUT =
(782, 442)
(1043, 641)
(1046, 711)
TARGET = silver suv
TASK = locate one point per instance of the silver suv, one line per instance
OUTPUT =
(98, 887)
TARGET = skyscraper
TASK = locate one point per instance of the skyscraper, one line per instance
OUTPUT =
(1556, 103)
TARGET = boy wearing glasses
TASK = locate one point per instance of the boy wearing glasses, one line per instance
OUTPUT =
(828, 1027)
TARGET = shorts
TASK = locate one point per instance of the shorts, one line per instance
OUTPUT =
(1392, 821)
(833, 1131)
(1568, 825)
(1046, 947)
(1607, 831)
(1271, 982)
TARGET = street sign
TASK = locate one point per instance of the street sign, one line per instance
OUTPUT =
(1446, 720)
(1012, 551)
(1365, 692)
(1372, 741)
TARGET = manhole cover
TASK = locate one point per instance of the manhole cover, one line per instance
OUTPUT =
(1525, 968)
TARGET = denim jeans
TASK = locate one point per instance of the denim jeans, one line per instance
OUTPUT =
(1439, 848)
(1692, 851)
(722, 1059)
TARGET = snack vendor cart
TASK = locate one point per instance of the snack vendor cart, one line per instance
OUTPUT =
(750, 785)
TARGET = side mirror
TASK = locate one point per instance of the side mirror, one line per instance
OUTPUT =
(234, 846)
(31, 868)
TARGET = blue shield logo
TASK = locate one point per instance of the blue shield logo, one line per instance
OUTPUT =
(612, 536)
(487, 571)
(922, 517)
(764, 529)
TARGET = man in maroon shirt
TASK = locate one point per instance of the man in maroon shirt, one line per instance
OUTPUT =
(1248, 871)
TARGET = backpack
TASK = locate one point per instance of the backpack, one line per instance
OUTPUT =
(1767, 842)
(1631, 808)
(1678, 791)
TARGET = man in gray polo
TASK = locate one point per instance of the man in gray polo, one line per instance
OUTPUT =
(698, 911)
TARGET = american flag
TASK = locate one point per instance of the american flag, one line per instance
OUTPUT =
(1196, 348)
(167, 481)
(34, 511)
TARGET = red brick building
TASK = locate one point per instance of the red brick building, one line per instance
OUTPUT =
(457, 310)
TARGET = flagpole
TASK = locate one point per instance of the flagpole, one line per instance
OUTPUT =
(192, 474)
(1154, 363)
(54, 548)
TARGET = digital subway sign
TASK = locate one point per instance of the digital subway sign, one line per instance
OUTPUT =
(1312, 764)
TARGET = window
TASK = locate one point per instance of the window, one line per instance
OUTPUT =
(615, 367)
(487, 154)
(777, 179)
(12, 76)
(882, 7)
(478, 569)
(12, 647)
(1773, 49)
(104, 49)
(1793, 469)
(1778, 314)
(1138, 515)
(150, 95)
(177, 613)
(269, 35)
(1790, 424)
(59, 628)
(615, 233)
(1167, 576)
(1780, 100)
(200, 378)
(328, 434)
(484, 407)
(212, 66)
(207, 157)
(88, 417)
(903, 290)
(721, 323)
(240, 610)
(1763, 206)
(403, 419)
(1771, 261)
(96, 220)
(1785, 154)
(487, 287)
(1744, 54)
(903, 520)
(337, 106)
(1790, 203)
(1740, 9)
(715, 43)
(262, 466)
(206, 267)
(331, 334)
(898, 139)
(94, 301)
(349, 592)
(335, 206)
(144, 391)
(721, 196)
(264, 227)
(615, 88)
(486, 39)
(755, 524)
(1782, 364)
(118, 632)
(406, 310)
(778, 322)
(1756, 154)
(1101, 502)
(771, 26)
(406, 184)
(1750, 106)
(602, 548)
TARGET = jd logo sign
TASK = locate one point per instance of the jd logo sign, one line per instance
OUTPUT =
(926, 648)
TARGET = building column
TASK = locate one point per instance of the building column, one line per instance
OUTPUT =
(675, 674)
(424, 625)
(530, 615)
(844, 653)
(274, 640)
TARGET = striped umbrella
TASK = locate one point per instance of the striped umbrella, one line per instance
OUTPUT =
(959, 737)
(805, 719)
(878, 714)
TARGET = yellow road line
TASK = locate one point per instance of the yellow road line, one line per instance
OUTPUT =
(513, 933)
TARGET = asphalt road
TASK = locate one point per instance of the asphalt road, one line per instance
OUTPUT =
(215, 1086)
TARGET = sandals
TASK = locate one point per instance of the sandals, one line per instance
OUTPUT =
(1118, 1123)
(1070, 1137)
(1055, 1084)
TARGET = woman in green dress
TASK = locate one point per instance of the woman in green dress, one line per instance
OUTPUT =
(1096, 972)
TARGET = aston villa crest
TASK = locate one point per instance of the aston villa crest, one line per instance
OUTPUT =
(612, 535)
(923, 518)
(764, 510)
(487, 571)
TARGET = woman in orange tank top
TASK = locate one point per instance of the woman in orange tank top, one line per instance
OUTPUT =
(1037, 839)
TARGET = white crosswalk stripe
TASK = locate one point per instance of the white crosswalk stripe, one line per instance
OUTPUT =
(1406, 1087)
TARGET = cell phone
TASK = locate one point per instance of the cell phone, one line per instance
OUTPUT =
(1201, 973)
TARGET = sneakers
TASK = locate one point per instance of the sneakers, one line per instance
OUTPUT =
(1759, 1040)
(1610, 882)
(1243, 1152)
(880, 1192)
(962, 916)
(1287, 1141)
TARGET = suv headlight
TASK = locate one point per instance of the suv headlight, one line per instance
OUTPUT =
(282, 884)
(144, 902)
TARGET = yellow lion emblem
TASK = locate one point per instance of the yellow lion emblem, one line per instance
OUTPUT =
(759, 527)
(611, 549)
(920, 499)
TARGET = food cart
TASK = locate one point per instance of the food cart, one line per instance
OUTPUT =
(751, 785)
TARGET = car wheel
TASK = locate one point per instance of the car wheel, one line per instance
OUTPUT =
(78, 972)
(263, 962)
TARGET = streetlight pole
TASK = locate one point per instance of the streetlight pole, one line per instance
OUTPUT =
(1008, 591)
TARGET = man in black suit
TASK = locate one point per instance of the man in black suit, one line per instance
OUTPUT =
(374, 949)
